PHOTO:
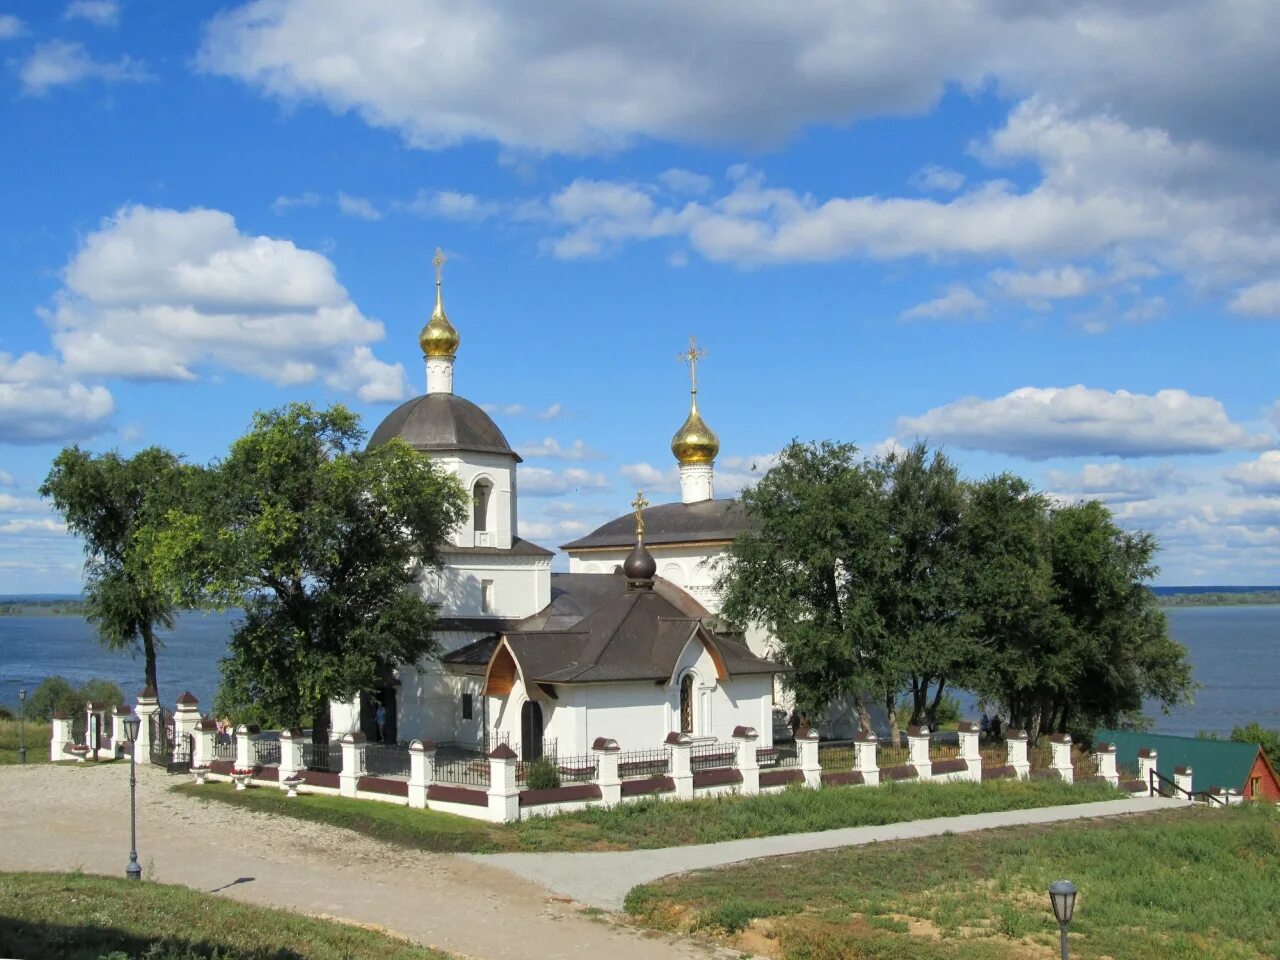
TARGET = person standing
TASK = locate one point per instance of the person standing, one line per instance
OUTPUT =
(380, 721)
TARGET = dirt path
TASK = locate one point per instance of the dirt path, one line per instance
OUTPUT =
(63, 818)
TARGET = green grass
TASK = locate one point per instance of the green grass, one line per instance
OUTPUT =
(79, 917)
(37, 735)
(1190, 884)
(653, 823)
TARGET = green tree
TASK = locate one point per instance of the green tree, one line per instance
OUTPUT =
(818, 539)
(109, 501)
(321, 543)
(1268, 739)
(56, 693)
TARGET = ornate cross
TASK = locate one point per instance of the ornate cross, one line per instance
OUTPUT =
(439, 260)
(691, 357)
(640, 503)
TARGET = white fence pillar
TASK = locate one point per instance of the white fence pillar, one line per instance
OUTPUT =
(1060, 749)
(290, 754)
(918, 751)
(1016, 743)
(422, 770)
(969, 732)
(95, 724)
(865, 746)
(1147, 758)
(1104, 755)
(148, 708)
(353, 749)
(606, 752)
(1182, 778)
(185, 717)
(681, 749)
(504, 792)
(745, 739)
(202, 743)
(119, 715)
(807, 754)
(247, 735)
(61, 738)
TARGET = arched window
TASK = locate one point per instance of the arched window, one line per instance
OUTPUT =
(481, 496)
(686, 704)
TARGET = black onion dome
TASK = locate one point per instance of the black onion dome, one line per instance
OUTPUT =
(443, 423)
(639, 564)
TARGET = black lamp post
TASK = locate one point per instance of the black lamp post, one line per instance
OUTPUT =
(22, 734)
(133, 871)
(1062, 894)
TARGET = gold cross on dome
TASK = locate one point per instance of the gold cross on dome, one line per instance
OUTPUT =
(439, 260)
(640, 503)
(691, 357)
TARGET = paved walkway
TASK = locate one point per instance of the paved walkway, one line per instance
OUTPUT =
(603, 879)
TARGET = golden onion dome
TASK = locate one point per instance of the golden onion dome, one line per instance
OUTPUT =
(695, 442)
(438, 337)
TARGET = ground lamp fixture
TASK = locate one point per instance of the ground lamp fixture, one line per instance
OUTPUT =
(133, 871)
(22, 736)
(1062, 894)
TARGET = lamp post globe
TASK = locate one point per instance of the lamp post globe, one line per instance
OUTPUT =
(1062, 896)
(22, 724)
(133, 871)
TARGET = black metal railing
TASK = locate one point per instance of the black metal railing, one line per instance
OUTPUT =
(713, 755)
(579, 769)
(1161, 786)
(322, 757)
(778, 757)
(944, 747)
(892, 755)
(836, 755)
(265, 753)
(463, 771)
(637, 764)
(386, 760)
(78, 729)
(224, 749)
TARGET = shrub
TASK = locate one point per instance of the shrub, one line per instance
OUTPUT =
(543, 774)
(7, 714)
(57, 693)
(1255, 732)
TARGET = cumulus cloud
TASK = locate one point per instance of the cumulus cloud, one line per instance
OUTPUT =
(1117, 482)
(103, 13)
(1048, 284)
(1258, 476)
(359, 207)
(645, 476)
(1039, 423)
(685, 181)
(541, 482)
(1259, 300)
(40, 402)
(60, 63)
(11, 26)
(550, 449)
(935, 179)
(159, 294)
(451, 205)
(550, 412)
(284, 203)
(958, 303)
(6, 478)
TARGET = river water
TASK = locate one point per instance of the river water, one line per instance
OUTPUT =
(1235, 653)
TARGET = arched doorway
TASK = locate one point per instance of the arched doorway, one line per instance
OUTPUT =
(530, 731)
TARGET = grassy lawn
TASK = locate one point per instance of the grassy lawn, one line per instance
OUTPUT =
(80, 917)
(1177, 885)
(649, 824)
(37, 736)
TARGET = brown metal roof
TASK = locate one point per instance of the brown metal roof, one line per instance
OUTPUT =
(443, 423)
(706, 520)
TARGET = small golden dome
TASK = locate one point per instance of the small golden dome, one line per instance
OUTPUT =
(695, 442)
(438, 338)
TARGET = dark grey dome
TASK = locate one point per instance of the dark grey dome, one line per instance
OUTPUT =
(442, 423)
(639, 565)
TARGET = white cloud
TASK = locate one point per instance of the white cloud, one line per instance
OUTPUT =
(283, 203)
(6, 478)
(1039, 423)
(647, 477)
(158, 294)
(451, 205)
(11, 504)
(934, 179)
(685, 181)
(59, 63)
(551, 412)
(551, 449)
(958, 303)
(1117, 482)
(11, 26)
(358, 207)
(33, 526)
(1260, 299)
(1258, 476)
(1048, 284)
(41, 403)
(541, 482)
(104, 13)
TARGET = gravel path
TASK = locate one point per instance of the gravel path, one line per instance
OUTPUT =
(63, 818)
(603, 879)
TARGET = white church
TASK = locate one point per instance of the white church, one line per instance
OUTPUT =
(626, 645)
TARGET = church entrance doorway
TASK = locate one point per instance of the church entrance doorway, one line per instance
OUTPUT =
(530, 731)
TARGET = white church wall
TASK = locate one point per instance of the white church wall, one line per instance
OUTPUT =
(480, 585)
(500, 472)
(429, 704)
(635, 714)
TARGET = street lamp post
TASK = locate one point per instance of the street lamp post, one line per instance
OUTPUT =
(1062, 894)
(133, 871)
(22, 733)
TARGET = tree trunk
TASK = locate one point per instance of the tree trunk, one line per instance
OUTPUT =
(937, 702)
(864, 715)
(320, 722)
(891, 714)
(149, 655)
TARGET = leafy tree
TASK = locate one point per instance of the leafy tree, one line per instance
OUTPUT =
(1268, 739)
(819, 538)
(109, 500)
(57, 694)
(321, 543)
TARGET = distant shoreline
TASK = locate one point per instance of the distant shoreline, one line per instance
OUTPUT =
(1251, 599)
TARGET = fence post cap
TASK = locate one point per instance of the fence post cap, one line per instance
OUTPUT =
(249, 729)
(1060, 738)
(920, 731)
(422, 746)
(122, 711)
(187, 699)
(745, 733)
(147, 693)
(861, 737)
(969, 726)
(356, 737)
(1147, 753)
(1182, 771)
(58, 715)
(1104, 747)
(502, 751)
(290, 733)
(1015, 735)
(677, 739)
(605, 745)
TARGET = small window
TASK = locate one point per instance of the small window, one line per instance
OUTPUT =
(486, 596)
(481, 516)
(466, 706)
(686, 704)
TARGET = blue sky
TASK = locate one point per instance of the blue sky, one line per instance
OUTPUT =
(1045, 240)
